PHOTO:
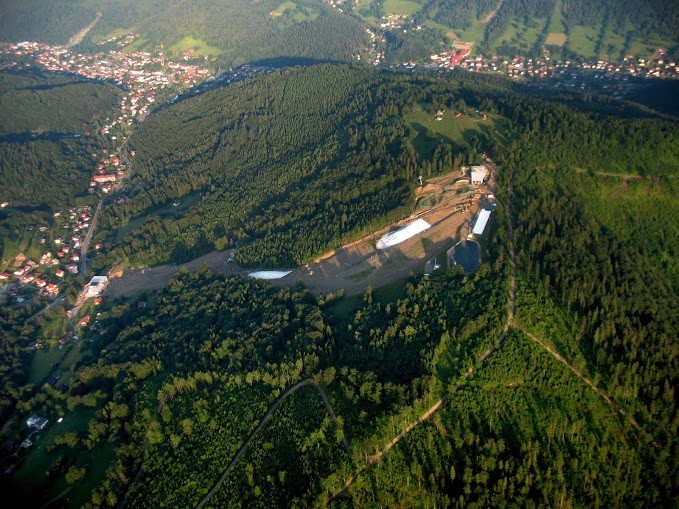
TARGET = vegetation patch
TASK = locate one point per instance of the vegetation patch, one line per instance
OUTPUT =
(196, 46)
(407, 7)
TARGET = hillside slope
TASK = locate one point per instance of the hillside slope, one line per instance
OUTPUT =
(271, 164)
(232, 31)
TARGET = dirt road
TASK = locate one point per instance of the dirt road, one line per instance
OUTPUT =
(594, 388)
(265, 419)
(137, 280)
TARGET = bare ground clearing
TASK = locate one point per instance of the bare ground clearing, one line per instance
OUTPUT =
(557, 39)
(352, 267)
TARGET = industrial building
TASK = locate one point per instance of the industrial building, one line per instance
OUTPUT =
(481, 222)
(96, 286)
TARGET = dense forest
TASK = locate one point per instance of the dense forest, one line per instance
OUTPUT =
(45, 155)
(35, 102)
(45, 152)
(274, 396)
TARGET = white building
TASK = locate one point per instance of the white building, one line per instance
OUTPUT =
(36, 422)
(481, 222)
(269, 274)
(478, 174)
(96, 286)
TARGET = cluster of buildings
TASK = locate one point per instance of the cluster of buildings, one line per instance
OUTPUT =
(143, 75)
(119, 40)
(545, 67)
(65, 237)
(397, 21)
(29, 274)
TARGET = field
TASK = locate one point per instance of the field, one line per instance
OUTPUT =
(474, 33)
(431, 132)
(583, 40)
(299, 14)
(556, 22)
(520, 34)
(401, 7)
(44, 361)
(556, 39)
(285, 6)
(199, 46)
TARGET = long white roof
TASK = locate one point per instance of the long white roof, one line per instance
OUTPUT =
(481, 222)
(404, 233)
(269, 274)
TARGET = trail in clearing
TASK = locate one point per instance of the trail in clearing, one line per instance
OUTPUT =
(594, 388)
(77, 38)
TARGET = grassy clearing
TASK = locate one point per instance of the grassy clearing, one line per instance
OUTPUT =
(305, 14)
(612, 44)
(285, 6)
(406, 7)
(27, 244)
(474, 33)
(583, 39)
(299, 14)
(521, 34)
(44, 361)
(199, 46)
(114, 33)
(167, 211)
(137, 45)
(556, 22)
(431, 132)
(642, 47)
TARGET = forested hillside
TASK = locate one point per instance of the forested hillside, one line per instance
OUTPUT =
(288, 165)
(232, 31)
(546, 377)
(45, 156)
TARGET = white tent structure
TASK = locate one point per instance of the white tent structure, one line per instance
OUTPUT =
(402, 234)
(481, 222)
(269, 274)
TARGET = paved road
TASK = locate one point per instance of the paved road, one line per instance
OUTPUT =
(86, 240)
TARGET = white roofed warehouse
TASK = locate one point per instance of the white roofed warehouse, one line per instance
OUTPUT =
(481, 222)
(97, 286)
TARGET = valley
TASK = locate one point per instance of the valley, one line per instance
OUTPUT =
(430, 263)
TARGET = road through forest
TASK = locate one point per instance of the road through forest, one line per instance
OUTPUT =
(262, 423)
